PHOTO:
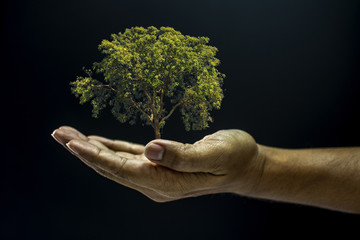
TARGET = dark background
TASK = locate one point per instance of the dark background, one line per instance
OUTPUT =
(292, 81)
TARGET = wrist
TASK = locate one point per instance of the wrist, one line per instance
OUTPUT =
(277, 173)
(249, 177)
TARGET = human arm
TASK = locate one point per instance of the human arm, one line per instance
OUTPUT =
(323, 177)
(226, 161)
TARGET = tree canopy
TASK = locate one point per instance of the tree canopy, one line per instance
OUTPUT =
(148, 73)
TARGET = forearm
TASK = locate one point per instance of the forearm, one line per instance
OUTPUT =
(328, 178)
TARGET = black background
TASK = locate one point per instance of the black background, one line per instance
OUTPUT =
(292, 81)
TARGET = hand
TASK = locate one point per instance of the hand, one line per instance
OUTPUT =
(163, 170)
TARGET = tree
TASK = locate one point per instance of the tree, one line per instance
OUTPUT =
(149, 73)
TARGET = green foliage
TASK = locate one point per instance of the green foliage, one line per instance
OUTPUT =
(149, 73)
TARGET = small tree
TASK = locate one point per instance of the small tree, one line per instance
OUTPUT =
(149, 73)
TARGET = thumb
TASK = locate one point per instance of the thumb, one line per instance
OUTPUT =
(200, 157)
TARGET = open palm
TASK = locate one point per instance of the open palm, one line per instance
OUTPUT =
(125, 163)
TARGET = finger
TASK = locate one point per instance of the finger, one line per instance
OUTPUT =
(64, 134)
(106, 160)
(200, 157)
(99, 145)
(113, 166)
(147, 192)
(118, 145)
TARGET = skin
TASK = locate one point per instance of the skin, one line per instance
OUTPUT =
(228, 161)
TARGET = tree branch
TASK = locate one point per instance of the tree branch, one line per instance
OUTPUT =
(163, 91)
(174, 108)
(109, 87)
(151, 101)
(131, 100)
(145, 91)
(152, 105)
(138, 108)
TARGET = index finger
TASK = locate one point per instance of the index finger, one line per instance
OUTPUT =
(124, 167)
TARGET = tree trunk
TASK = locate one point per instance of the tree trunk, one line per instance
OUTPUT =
(157, 129)
(157, 133)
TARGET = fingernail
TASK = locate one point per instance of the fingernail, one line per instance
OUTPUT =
(53, 134)
(71, 149)
(154, 151)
